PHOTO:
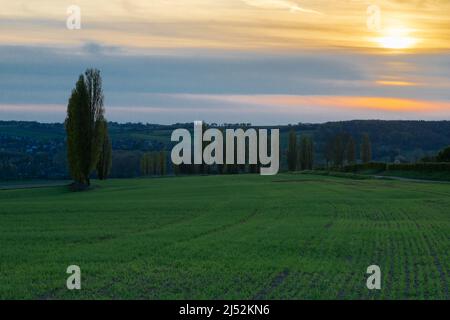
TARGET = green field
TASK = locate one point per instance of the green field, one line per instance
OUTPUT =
(228, 237)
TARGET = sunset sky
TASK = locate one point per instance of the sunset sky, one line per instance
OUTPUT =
(258, 61)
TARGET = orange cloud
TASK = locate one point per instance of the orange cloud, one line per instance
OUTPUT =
(396, 83)
(339, 102)
(389, 104)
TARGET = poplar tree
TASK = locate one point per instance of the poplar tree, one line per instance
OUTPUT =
(306, 153)
(338, 150)
(145, 164)
(105, 158)
(310, 153)
(292, 151)
(162, 163)
(84, 126)
(155, 163)
(328, 152)
(366, 149)
(351, 151)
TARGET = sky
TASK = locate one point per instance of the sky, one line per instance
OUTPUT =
(257, 61)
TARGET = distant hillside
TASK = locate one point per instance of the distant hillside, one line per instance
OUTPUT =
(37, 150)
(390, 139)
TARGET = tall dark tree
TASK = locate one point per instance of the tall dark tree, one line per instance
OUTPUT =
(162, 163)
(301, 157)
(311, 154)
(366, 149)
(339, 150)
(328, 152)
(84, 126)
(292, 152)
(105, 159)
(350, 151)
(203, 168)
(147, 164)
(76, 106)
(306, 153)
(155, 162)
(254, 168)
(221, 169)
(176, 169)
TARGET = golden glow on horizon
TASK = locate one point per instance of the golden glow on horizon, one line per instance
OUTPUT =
(396, 83)
(397, 38)
(281, 102)
(272, 104)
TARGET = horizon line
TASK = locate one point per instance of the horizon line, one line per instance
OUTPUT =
(236, 123)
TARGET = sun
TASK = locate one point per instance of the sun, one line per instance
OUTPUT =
(397, 38)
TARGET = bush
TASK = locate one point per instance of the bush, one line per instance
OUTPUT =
(420, 166)
(371, 166)
(444, 155)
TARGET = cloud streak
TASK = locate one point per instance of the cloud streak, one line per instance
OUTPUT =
(280, 4)
(257, 109)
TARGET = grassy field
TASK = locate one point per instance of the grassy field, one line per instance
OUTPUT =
(228, 237)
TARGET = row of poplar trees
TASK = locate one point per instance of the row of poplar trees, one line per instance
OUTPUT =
(339, 150)
(88, 143)
(154, 163)
(192, 169)
(300, 156)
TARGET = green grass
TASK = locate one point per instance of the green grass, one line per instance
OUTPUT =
(228, 237)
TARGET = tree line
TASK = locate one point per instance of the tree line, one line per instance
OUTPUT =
(339, 150)
(154, 164)
(300, 155)
(188, 169)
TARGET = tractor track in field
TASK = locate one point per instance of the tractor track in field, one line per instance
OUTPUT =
(415, 269)
(438, 265)
(437, 261)
(203, 234)
(49, 295)
(56, 293)
(53, 293)
(325, 230)
(275, 283)
(141, 231)
(221, 228)
(330, 224)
